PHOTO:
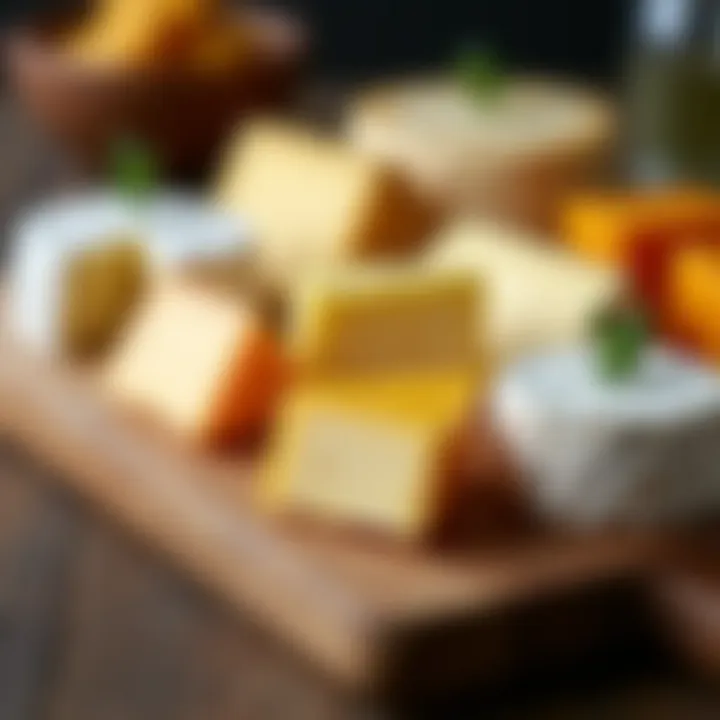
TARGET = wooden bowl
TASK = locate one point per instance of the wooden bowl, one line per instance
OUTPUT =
(184, 115)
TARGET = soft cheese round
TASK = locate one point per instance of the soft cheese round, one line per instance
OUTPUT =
(642, 450)
(173, 228)
(515, 156)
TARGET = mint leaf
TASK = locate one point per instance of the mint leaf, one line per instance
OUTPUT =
(620, 336)
(480, 73)
(135, 169)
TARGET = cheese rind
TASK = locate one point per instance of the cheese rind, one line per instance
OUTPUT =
(70, 292)
(312, 201)
(535, 295)
(374, 320)
(199, 363)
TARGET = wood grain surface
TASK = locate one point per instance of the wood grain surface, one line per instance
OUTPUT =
(352, 607)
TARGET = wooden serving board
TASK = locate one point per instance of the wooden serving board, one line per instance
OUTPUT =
(371, 614)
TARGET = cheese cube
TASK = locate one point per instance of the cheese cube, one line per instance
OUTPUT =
(379, 454)
(603, 226)
(535, 295)
(312, 201)
(370, 320)
(199, 363)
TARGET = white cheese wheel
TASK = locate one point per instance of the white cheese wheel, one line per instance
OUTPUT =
(535, 295)
(174, 229)
(644, 450)
(514, 157)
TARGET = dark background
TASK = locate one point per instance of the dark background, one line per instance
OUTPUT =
(364, 38)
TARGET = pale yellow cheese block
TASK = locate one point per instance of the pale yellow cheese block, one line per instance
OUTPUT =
(513, 157)
(536, 295)
(313, 201)
(371, 320)
(201, 364)
(381, 455)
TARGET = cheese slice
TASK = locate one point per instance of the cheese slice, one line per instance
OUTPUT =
(375, 454)
(311, 200)
(513, 158)
(199, 363)
(535, 294)
(374, 320)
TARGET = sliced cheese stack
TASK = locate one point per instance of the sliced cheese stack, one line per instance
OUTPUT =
(638, 451)
(604, 226)
(387, 369)
(382, 453)
(199, 363)
(535, 295)
(654, 238)
(512, 157)
(79, 264)
(312, 201)
(383, 320)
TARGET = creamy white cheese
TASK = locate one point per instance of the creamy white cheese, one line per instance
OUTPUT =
(174, 228)
(643, 450)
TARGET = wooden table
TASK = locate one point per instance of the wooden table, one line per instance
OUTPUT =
(94, 624)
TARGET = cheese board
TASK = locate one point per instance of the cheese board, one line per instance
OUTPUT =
(357, 609)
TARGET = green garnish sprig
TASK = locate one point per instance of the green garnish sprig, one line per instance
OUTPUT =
(620, 336)
(135, 170)
(480, 73)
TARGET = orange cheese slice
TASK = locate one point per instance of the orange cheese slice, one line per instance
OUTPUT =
(202, 364)
(694, 297)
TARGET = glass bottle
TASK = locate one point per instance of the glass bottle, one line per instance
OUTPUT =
(675, 92)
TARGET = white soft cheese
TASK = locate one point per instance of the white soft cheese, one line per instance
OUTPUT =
(175, 228)
(643, 450)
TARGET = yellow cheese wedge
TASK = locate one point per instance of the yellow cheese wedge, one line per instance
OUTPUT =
(381, 454)
(312, 201)
(199, 363)
(536, 295)
(371, 320)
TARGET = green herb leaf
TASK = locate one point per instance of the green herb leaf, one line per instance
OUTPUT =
(480, 73)
(135, 169)
(620, 334)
